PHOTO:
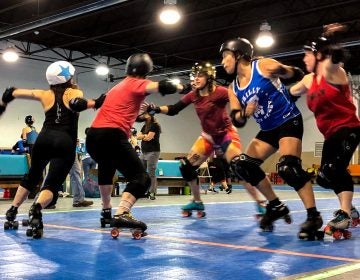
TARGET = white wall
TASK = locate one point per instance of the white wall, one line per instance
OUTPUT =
(179, 132)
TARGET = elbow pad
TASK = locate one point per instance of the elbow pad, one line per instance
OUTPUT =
(235, 122)
(176, 108)
(8, 95)
(167, 87)
(78, 104)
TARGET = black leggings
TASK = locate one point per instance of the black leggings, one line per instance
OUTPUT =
(54, 147)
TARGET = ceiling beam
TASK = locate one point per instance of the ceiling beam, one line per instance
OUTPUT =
(82, 10)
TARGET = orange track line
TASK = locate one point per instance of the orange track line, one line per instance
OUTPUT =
(242, 247)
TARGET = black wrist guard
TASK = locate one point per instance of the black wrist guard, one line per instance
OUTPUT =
(235, 122)
(152, 110)
(78, 104)
(99, 101)
(167, 87)
(8, 95)
(2, 109)
(298, 74)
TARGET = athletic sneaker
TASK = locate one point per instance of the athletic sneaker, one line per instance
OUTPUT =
(84, 203)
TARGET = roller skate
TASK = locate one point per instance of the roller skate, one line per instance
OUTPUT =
(355, 217)
(229, 189)
(127, 221)
(260, 209)
(152, 196)
(105, 217)
(272, 214)
(211, 189)
(221, 188)
(309, 230)
(338, 226)
(35, 222)
(194, 206)
(10, 217)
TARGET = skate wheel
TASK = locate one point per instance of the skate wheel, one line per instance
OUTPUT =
(115, 233)
(355, 222)
(25, 222)
(320, 235)
(328, 230)
(15, 225)
(6, 225)
(201, 214)
(347, 234)
(287, 219)
(37, 234)
(186, 213)
(29, 232)
(137, 234)
(337, 234)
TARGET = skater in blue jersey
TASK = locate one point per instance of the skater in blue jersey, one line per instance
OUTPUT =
(257, 91)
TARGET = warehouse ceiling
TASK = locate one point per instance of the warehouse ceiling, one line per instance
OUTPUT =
(112, 30)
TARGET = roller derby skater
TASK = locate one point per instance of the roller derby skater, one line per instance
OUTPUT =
(273, 213)
(338, 227)
(111, 127)
(197, 206)
(127, 221)
(105, 217)
(257, 91)
(309, 230)
(36, 225)
(355, 217)
(61, 122)
(10, 217)
(329, 97)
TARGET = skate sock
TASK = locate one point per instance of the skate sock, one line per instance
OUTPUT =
(124, 206)
(312, 212)
(274, 202)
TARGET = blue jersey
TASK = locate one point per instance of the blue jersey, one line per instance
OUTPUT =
(275, 105)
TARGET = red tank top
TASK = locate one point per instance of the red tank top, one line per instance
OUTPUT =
(332, 106)
(211, 110)
(122, 105)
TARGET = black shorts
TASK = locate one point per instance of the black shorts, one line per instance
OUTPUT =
(291, 128)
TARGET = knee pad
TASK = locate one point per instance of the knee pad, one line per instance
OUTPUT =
(291, 171)
(330, 176)
(139, 186)
(188, 171)
(248, 169)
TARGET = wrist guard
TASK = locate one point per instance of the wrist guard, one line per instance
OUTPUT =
(99, 101)
(8, 95)
(235, 122)
(167, 87)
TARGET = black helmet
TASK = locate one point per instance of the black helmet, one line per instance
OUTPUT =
(204, 67)
(321, 44)
(139, 64)
(240, 47)
(29, 120)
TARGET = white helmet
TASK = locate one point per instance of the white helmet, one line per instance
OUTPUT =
(59, 72)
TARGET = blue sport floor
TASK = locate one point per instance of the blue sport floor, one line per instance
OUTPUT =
(226, 244)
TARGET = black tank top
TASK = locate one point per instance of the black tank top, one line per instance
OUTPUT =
(59, 117)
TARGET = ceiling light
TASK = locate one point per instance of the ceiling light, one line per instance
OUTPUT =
(265, 38)
(102, 69)
(10, 55)
(170, 13)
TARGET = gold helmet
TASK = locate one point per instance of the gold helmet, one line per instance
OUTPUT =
(204, 67)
